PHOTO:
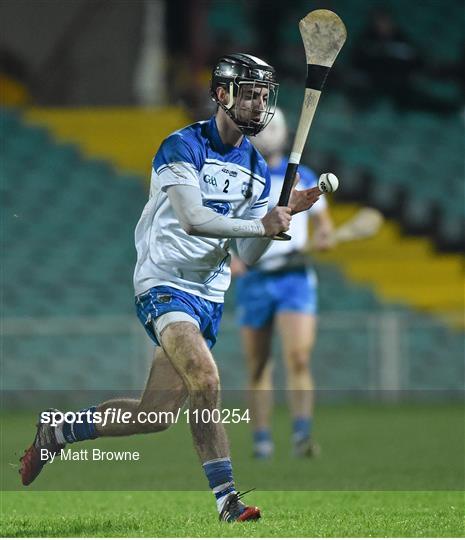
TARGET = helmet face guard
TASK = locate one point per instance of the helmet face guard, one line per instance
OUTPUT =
(252, 89)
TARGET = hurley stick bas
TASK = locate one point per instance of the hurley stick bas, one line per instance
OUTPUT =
(323, 35)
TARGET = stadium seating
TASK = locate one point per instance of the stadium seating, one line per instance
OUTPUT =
(412, 162)
(106, 134)
(68, 244)
(68, 317)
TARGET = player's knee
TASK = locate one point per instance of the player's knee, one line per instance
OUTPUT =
(299, 361)
(205, 383)
(209, 382)
(161, 427)
(151, 421)
(153, 428)
(202, 375)
(158, 420)
(262, 380)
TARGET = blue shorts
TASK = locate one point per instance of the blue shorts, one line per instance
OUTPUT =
(260, 295)
(160, 300)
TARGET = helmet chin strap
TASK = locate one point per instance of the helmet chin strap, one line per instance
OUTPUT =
(231, 96)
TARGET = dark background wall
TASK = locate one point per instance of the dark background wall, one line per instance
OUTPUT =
(76, 52)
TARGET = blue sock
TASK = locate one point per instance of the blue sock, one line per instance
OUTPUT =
(261, 436)
(220, 478)
(301, 428)
(263, 444)
(82, 429)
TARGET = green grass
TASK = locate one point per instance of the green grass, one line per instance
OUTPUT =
(192, 514)
(385, 470)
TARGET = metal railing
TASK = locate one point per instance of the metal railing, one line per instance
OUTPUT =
(362, 352)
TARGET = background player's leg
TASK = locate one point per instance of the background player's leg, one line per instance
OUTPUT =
(297, 331)
(164, 392)
(257, 346)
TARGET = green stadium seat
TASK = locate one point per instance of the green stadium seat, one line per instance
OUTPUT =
(75, 221)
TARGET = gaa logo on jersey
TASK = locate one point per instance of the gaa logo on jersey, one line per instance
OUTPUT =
(210, 180)
(246, 190)
(220, 207)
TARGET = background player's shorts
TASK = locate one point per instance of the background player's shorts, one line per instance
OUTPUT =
(160, 300)
(260, 295)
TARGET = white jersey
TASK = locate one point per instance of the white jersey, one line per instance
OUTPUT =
(278, 252)
(234, 181)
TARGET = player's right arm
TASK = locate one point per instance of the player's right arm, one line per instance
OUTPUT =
(198, 220)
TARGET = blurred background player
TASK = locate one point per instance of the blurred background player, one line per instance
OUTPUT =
(281, 291)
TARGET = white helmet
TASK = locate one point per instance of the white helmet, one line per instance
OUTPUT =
(272, 139)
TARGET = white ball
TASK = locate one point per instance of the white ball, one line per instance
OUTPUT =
(328, 182)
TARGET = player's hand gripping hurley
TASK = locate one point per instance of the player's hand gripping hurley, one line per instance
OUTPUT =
(323, 34)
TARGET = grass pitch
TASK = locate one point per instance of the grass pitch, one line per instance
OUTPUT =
(192, 514)
(385, 471)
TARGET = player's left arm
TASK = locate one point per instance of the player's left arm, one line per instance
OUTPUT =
(304, 199)
(251, 249)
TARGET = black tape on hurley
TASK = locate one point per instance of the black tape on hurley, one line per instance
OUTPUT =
(316, 76)
(289, 178)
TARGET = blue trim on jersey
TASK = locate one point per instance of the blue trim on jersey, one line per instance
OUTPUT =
(160, 300)
(261, 295)
(218, 271)
(176, 149)
(266, 190)
(259, 204)
(201, 143)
